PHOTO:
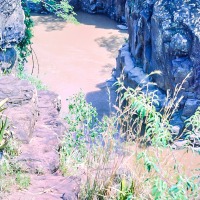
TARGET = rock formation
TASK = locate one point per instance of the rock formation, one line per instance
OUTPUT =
(11, 31)
(113, 8)
(34, 120)
(164, 35)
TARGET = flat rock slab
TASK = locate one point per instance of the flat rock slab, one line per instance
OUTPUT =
(49, 187)
(22, 109)
(19, 92)
(41, 154)
(34, 118)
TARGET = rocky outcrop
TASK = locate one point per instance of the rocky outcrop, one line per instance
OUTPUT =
(22, 109)
(34, 120)
(164, 35)
(11, 31)
(113, 8)
(42, 151)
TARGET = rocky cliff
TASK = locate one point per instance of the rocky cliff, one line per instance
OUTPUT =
(11, 31)
(164, 35)
(113, 8)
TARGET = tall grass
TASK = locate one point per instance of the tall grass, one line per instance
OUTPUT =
(141, 167)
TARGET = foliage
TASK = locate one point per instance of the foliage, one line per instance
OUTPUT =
(142, 117)
(33, 80)
(126, 192)
(192, 128)
(22, 180)
(81, 119)
(61, 9)
(10, 172)
(4, 133)
(24, 47)
(132, 169)
(139, 114)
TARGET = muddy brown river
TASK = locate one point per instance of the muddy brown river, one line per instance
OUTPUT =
(77, 57)
(81, 57)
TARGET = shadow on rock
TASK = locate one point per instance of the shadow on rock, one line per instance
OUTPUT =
(50, 22)
(103, 99)
(111, 43)
(99, 21)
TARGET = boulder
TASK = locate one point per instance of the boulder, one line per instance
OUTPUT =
(22, 111)
(12, 30)
(114, 9)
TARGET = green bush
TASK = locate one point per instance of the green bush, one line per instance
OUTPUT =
(143, 167)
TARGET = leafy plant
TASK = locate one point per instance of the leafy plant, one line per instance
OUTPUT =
(61, 9)
(126, 192)
(4, 133)
(138, 168)
(81, 120)
(32, 79)
(139, 118)
(22, 180)
(192, 128)
(24, 47)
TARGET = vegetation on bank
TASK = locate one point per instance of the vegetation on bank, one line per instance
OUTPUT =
(128, 155)
(11, 173)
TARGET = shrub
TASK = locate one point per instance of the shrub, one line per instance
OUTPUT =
(144, 167)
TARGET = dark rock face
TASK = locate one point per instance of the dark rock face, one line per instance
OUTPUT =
(175, 34)
(35, 7)
(11, 31)
(113, 8)
(165, 35)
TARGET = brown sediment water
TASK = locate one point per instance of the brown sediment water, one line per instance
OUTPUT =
(186, 160)
(77, 57)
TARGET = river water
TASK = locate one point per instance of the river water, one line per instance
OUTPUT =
(77, 57)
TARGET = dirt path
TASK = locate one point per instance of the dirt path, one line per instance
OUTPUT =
(74, 57)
